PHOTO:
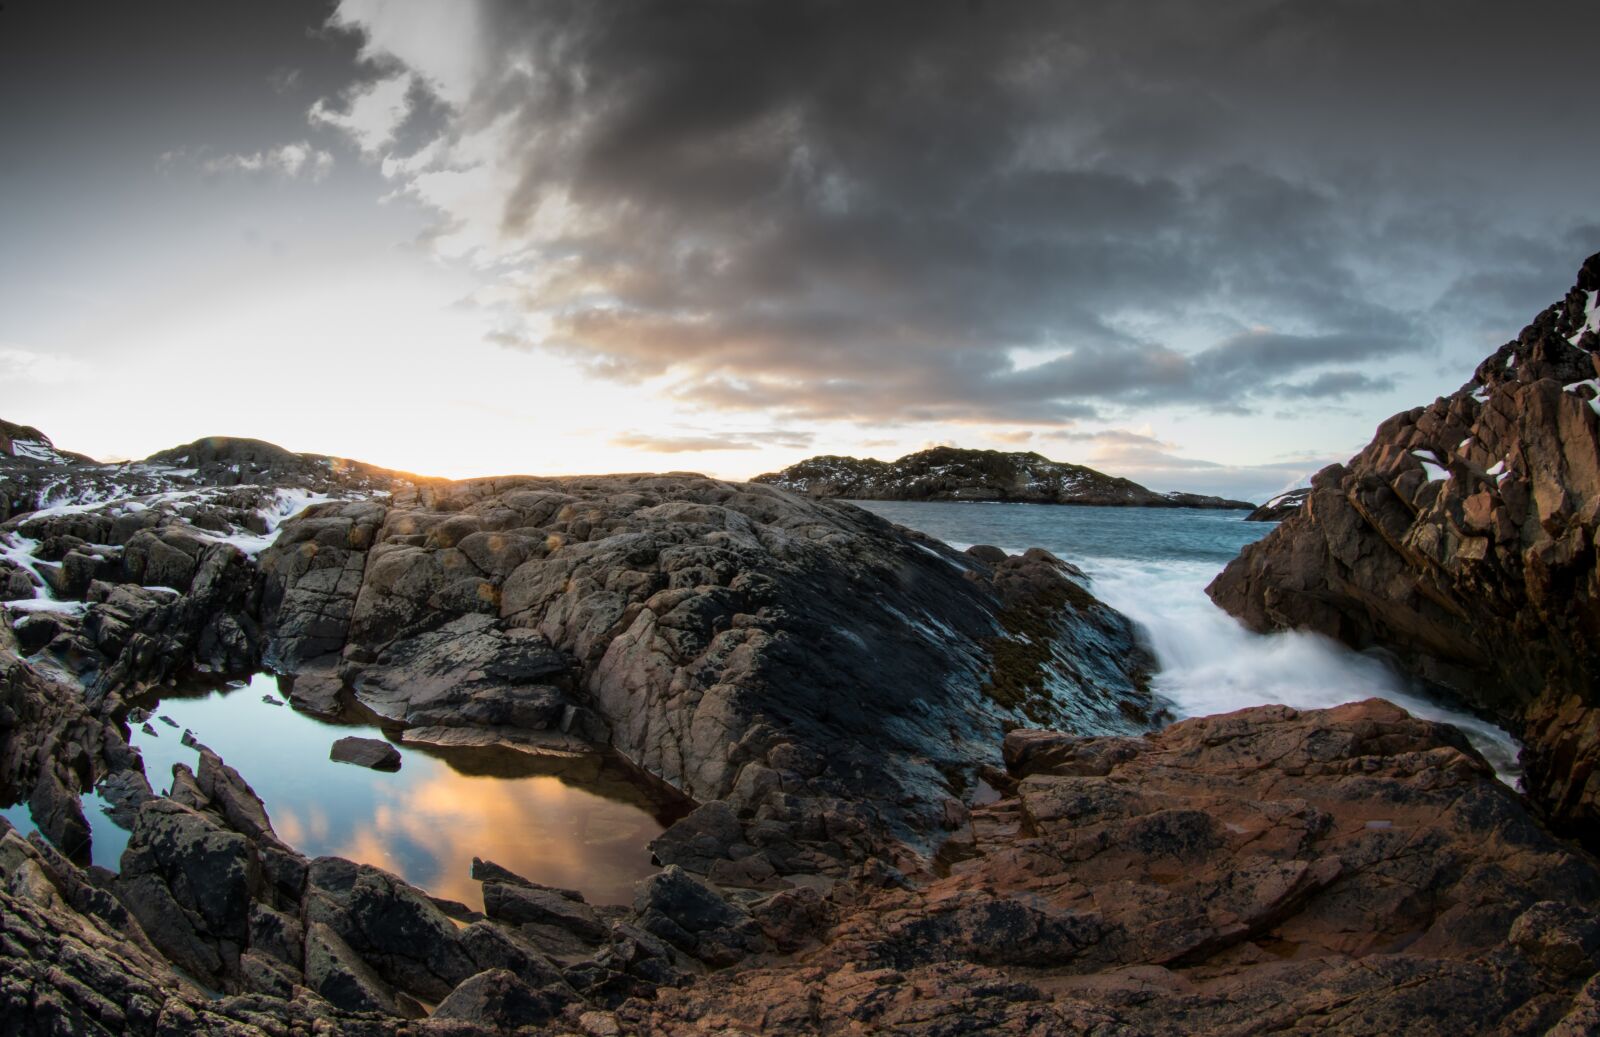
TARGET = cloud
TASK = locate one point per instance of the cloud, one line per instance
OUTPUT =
(694, 443)
(291, 161)
(19, 365)
(1160, 465)
(371, 114)
(964, 212)
(283, 79)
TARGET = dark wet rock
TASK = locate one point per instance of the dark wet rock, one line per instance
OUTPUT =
(125, 791)
(339, 974)
(366, 752)
(529, 904)
(51, 747)
(272, 700)
(1280, 507)
(227, 793)
(695, 918)
(390, 924)
(277, 934)
(494, 947)
(59, 814)
(1461, 542)
(499, 998)
(709, 834)
(953, 474)
(189, 882)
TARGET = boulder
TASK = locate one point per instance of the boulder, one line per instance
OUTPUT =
(497, 998)
(365, 752)
(695, 918)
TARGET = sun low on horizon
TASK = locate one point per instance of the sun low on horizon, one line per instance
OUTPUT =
(477, 239)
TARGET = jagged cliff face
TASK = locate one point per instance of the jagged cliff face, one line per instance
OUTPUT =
(1462, 539)
(951, 474)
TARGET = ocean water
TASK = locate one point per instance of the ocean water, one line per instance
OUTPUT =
(1153, 564)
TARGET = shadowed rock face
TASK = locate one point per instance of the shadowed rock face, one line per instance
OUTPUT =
(803, 660)
(953, 474)
(1462, 540)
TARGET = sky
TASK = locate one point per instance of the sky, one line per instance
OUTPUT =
(1207, 246)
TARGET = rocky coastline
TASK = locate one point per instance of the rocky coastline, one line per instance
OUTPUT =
(932, 791)
(1461, 542)
(954, 474)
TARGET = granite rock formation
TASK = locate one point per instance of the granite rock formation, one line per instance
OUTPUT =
(1349, 871)
(841, 699)
(952, 474)
(1462, 542)
(820, 669)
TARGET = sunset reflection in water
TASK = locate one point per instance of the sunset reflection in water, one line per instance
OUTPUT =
(582, 823)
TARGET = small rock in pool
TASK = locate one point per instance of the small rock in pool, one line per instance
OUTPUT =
(271, 701)
(138, 715)
(147, 729)
(366, 752)
(190, 740)
(167, 720)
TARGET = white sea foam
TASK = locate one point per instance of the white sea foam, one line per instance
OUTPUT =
(1210, 663)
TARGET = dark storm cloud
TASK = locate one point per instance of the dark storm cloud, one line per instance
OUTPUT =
(1006, 212)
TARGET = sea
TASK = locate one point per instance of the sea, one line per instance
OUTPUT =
(1153, 565)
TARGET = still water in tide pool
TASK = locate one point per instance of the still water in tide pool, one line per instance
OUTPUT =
(579, 823)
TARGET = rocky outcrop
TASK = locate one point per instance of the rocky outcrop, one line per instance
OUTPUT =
(139, 572)
(1350, 871)
(822, 671)
(1280, 507)
(1462, 542)
(952, 474)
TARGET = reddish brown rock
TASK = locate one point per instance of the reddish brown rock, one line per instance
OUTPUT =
(1462, 541)
(1350, 871)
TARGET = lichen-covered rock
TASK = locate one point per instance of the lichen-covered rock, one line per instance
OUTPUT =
(1462, 542)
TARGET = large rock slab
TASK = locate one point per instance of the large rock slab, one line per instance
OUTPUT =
(1462, 542)
(810, 663)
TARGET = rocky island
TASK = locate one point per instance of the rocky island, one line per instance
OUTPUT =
(952, 474)
(930, 791)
